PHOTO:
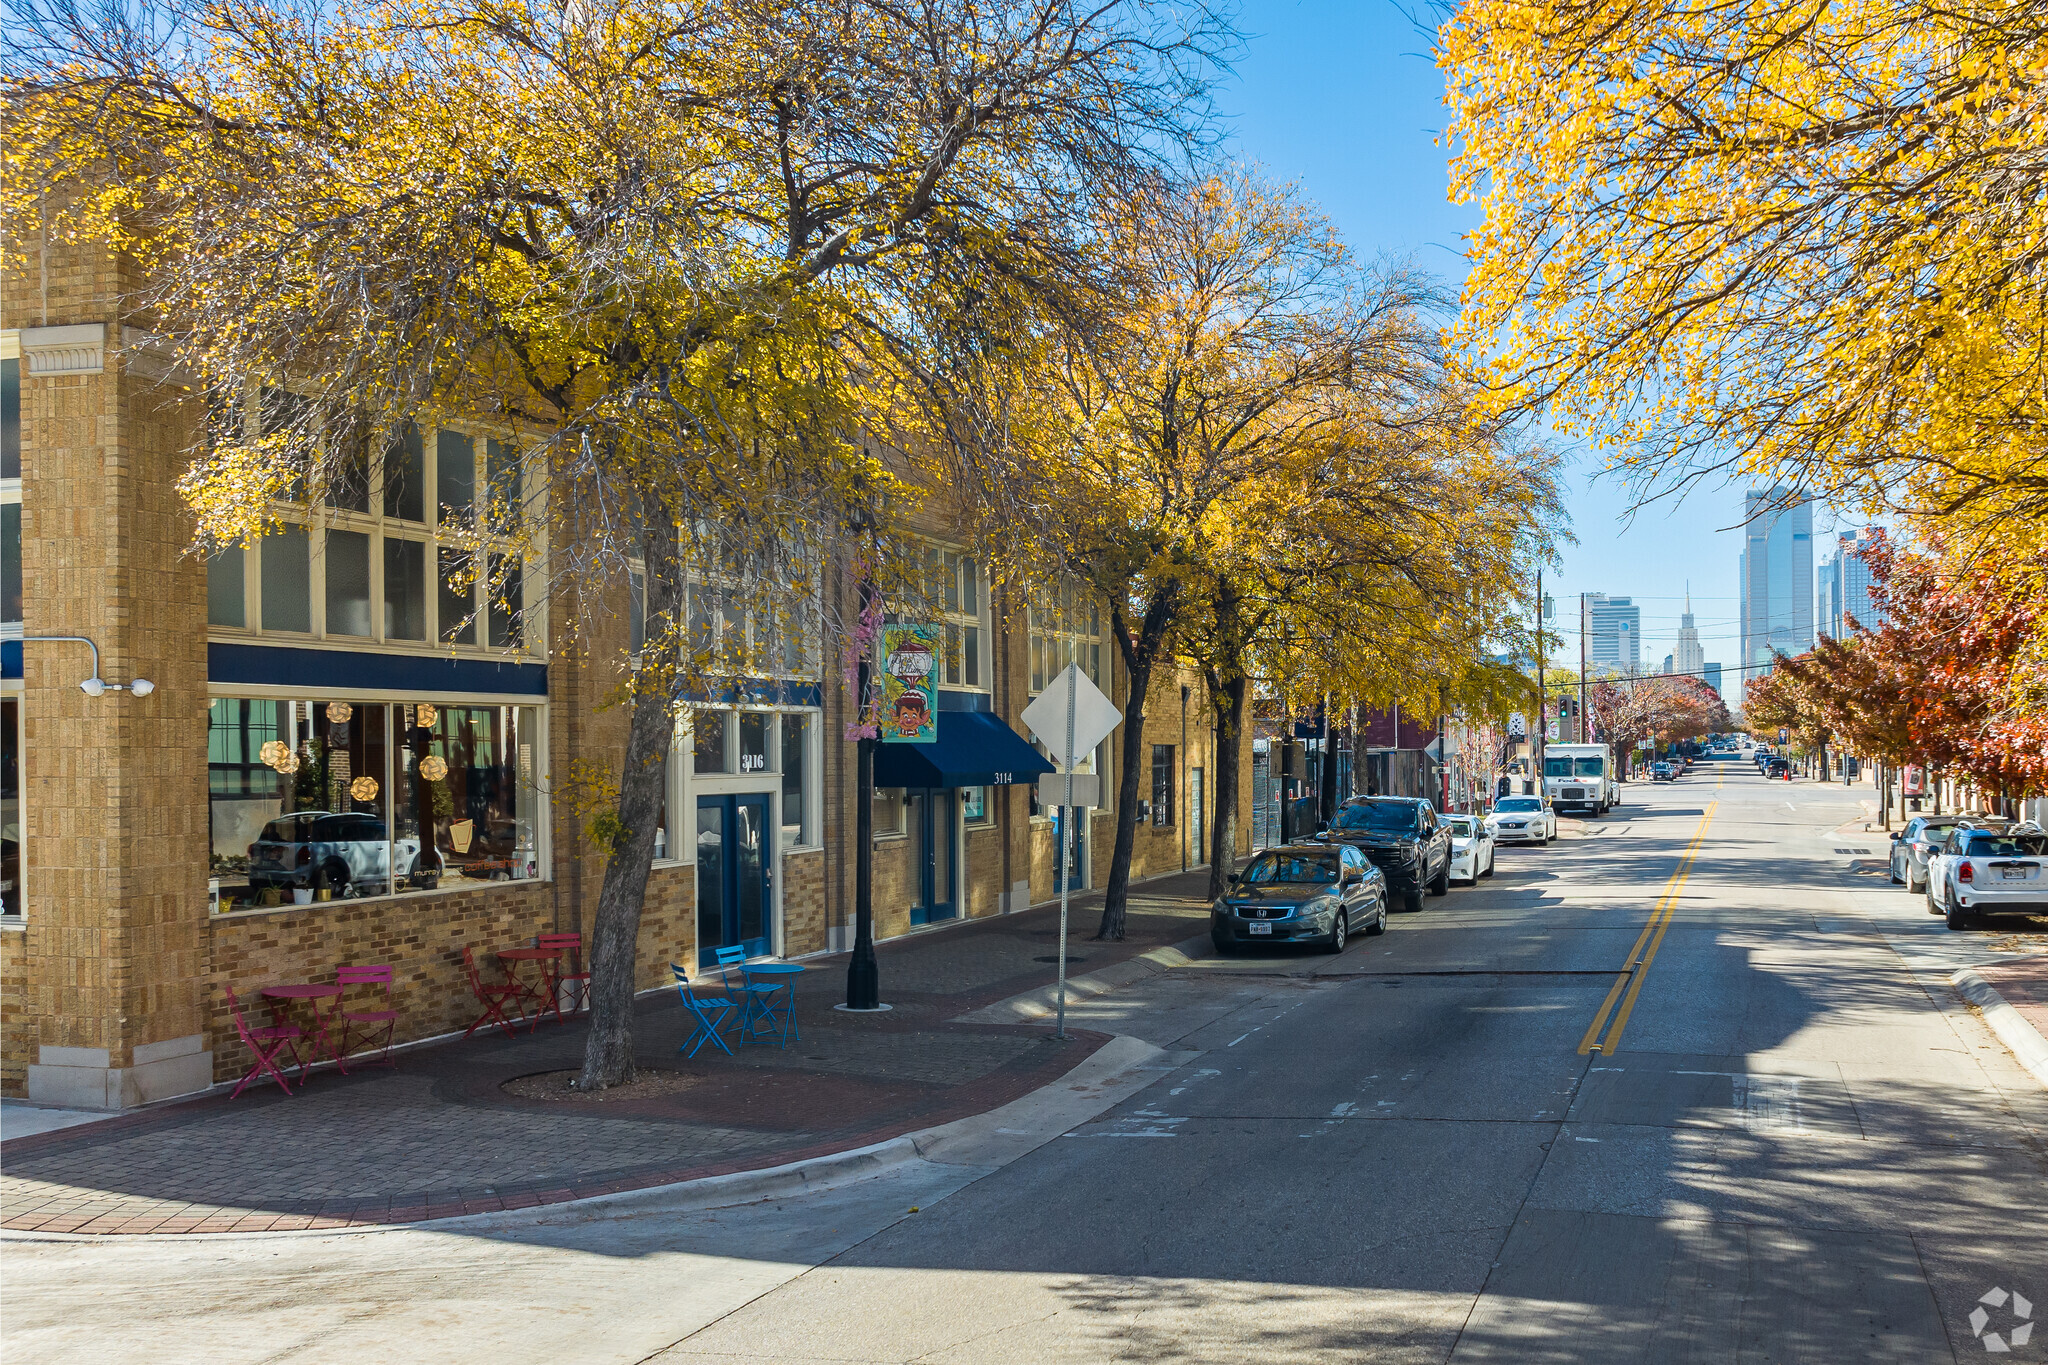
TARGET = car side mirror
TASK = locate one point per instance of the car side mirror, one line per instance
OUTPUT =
(1897, 835)
(1231, 879)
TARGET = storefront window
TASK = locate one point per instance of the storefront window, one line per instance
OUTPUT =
(10, 807)
(709, 729)
(974, 806)
(888, 810)
(795, 806)
(313, 800)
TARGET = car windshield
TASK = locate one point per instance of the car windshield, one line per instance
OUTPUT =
(1558, 767)
(1385, 817)
(1267, 868)
(2006, 846)
(1461, 826)
(1586, 767)
(1519, 803)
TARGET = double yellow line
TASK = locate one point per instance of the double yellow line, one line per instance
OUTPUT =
(1630, 979)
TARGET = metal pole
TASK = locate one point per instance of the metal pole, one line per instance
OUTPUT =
(1066, 833)
(863, 974)
(1542, 696)
(1182, 781)
(1585, 722)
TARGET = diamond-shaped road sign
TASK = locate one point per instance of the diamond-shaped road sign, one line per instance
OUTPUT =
(1094, 716)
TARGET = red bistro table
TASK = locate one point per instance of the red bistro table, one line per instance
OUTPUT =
(511, 958)
(317, 1037)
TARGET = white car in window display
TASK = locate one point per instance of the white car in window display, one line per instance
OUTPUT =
(348, 852)
(1471, 848)
(1522, 820)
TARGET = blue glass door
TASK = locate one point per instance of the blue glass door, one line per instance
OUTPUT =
(930, 823)
(734, 899)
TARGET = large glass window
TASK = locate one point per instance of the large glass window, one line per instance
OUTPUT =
(1162, 784)
(225, 603)
(10, 561)
(348, 583)
(795, 803)
(454, 478)
(458, 598)
(337, 800)
(405, 589)
(1065, 628)
(10, 806)
(10, 419)
(405, 477)
(710, 729)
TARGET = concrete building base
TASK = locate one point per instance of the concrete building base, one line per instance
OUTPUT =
(84, 1077)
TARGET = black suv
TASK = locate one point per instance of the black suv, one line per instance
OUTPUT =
(1403, 838)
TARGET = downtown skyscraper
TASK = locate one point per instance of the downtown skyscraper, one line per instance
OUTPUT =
(1777, 577)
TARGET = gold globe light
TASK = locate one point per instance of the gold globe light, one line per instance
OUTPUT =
(433, 767)
(363, 789)
(275, 752)
(424, 716)
(338, 712)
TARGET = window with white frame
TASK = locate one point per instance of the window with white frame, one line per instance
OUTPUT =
(10, 629)
(955, 597)
(388, 552)
(1066, 626)
(729, 746)
(326, 798)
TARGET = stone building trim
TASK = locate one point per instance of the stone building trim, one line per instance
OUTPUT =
(80, 349)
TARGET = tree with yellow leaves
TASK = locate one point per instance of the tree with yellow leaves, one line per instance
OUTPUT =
(684, 253)
(1799, 242)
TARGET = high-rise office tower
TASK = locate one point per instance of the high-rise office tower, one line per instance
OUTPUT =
(1614, 634)
(1777, 571)
(1712, 673)
(1844, 587)
(1689, 656)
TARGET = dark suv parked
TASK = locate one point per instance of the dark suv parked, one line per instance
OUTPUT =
(1403, 838)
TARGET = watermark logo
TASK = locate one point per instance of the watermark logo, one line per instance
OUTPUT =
(2018, 1332)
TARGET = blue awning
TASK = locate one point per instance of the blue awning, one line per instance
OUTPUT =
(974, 749)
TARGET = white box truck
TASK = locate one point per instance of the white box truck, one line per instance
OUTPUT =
(1580, 777)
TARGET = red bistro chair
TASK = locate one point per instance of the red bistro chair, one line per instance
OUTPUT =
(372, 1028)
(558, 971)
(493, 995)
(268, 1043)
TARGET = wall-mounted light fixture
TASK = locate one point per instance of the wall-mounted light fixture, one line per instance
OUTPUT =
(95, 686)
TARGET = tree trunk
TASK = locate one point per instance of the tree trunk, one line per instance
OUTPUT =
(1229, 743)
(1141, 655)
(615, 930)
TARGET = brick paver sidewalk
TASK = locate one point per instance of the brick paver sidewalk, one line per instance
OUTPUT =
(2024, 984)
(440, 1135)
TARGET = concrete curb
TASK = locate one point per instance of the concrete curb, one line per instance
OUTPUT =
(1042, 1002)
(2009, 1024)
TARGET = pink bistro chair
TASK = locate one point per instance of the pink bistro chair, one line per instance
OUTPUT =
(268, 1043)
(372, 1028)
(559, 969)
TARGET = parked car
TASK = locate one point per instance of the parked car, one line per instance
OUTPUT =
(349, 851)
(1471, 848)
(1401, 836)
(1522, 820)
(1778, 767)
(1980, 872)
(1912, 845)
(1301, 893)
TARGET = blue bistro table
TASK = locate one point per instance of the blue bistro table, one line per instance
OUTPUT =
(771, 1002)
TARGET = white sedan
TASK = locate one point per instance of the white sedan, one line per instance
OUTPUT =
(1471, 848)
(1522, 820)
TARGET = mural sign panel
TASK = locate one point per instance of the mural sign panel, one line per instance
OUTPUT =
(910, 684)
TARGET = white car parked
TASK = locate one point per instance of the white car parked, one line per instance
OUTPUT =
(1471, 848)
(1979, 871)
(1522, 820)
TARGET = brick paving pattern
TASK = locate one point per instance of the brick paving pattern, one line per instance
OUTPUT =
(439, 1136)
(2024, 984)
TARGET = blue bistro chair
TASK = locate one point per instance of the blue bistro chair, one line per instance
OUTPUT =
(707, 1010)
(757, 999)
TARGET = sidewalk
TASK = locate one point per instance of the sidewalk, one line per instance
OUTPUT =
(442, 1135)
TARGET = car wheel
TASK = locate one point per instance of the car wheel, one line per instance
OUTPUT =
(1892, 868)
(1489, 864)
(1933, 906)
(1379, 920)
(1338, 932)
(1412, 901)
(1911, 885)
(1958, 918)
(1222, 946)
(1442, 884)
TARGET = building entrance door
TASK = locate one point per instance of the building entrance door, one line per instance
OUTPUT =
(734, 904)
(931, 823)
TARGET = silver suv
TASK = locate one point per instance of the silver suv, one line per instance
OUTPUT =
(351, 851)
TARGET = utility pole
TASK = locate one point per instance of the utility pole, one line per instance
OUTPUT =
(1585, 723)
(1542, 694)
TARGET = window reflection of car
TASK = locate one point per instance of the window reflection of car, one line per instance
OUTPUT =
(351, 851)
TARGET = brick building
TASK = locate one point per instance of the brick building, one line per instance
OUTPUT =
(348, 756)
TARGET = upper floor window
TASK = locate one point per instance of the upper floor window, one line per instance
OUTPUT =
(10, 492)
(954, 597)
(1066, 629)
(388, 550)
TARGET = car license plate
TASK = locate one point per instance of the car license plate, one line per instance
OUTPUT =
(1259, 928)
(2014, 874)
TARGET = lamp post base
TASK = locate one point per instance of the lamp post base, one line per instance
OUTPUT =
(863, 1009)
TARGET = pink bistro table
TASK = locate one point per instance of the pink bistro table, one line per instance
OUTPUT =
(317, 1037)
(537, 993)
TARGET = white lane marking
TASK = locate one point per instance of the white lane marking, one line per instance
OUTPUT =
(1239, 1038)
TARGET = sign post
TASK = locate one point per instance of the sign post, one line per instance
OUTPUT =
(1082, 718)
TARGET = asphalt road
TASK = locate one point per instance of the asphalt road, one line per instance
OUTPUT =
(1478, 1138)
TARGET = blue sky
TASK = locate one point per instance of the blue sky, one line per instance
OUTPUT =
(1341, 97)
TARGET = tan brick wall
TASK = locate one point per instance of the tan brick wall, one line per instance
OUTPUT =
(803, 902)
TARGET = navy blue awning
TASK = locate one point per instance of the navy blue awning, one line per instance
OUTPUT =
(974, 749)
